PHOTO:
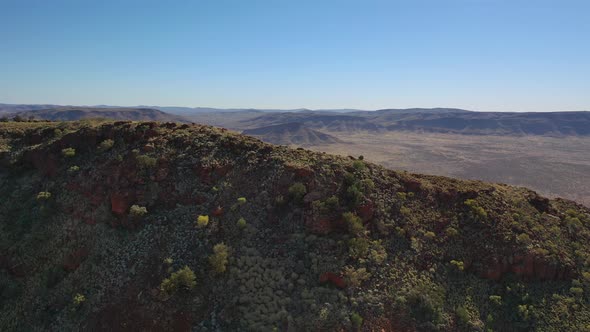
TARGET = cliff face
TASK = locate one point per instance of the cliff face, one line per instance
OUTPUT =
(151, 226)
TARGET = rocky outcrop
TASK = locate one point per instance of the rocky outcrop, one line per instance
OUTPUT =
(527, 267)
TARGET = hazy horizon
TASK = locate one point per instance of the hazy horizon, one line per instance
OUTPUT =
(288, 109)
(517, 56)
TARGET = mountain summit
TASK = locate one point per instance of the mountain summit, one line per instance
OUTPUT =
(120, 226)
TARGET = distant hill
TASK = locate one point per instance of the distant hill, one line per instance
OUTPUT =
(497, 123)
(437, 120)
(15, 108)
(293, 133)
(72, 113)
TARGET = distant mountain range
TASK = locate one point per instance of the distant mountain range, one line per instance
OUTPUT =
(439, 120)
(454, 121)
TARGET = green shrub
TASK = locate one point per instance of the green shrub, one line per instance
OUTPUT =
(355, 277)
(68, 152)
(477, 211)
(358, 247)
(242, 200)
(184, 278)
(219, 259)
(354, 223)
(145, 162)
(462, 315)
(425, 307)
(106, 145)
(451, 232)
(367, 185)
(377, 254)
(577, 291)
(430, 235)
(358, 165)
(349, 179)
(202, 221)
(297, 191)
(242, 223)
(496, 299)
(356, 320)
(458, 264)
(523, 239)
(43, 196)
(79, 299)
(355, 195)
(73, 169)
(137, 211)
(332, 203)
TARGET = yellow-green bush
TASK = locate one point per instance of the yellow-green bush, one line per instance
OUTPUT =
(68, 152)
(242, 223)
(202, 221)
(184, 278)
(79, 299)
(219, 259)
(137, 211)
(355, 277)
(354, 223)
(145, 162)
(106, 145)
(43, 196)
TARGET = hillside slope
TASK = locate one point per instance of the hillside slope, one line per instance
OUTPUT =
(293, 133)
(240, 235)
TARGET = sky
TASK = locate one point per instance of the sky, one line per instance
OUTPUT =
(487, 55)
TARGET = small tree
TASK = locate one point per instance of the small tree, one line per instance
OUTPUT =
(297, 191)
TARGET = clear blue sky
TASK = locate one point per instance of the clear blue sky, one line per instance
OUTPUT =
(475, 54)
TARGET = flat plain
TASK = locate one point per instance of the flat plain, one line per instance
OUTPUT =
(552, 166)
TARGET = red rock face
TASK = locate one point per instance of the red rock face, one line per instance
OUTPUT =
(221, 171)
(366, 211)
(527, 267)
(43, 161)
(447, 196)
(301, 173)
(333, 278)
(412, 185)
(322, 226)
(540, 203)
(119, 204)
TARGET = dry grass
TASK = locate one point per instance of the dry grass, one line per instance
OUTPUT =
(552, 166)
